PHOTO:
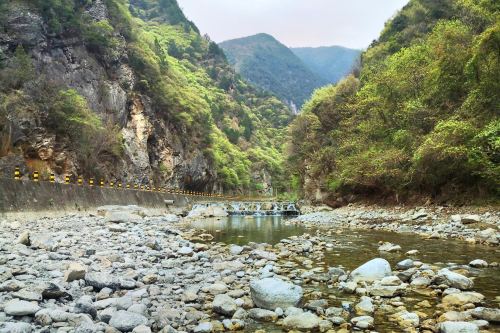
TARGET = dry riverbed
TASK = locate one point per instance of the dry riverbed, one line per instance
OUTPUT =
(126, 270)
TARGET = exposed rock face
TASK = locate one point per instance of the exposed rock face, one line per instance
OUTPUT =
(106, 82)
(272, 293)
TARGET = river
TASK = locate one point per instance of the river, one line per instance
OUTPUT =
(352, 248)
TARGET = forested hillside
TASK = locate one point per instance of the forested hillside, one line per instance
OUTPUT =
(331, 63)
(129, 90)
(272, 66)
(422, 118)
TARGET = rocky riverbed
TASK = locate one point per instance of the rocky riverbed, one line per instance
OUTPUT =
(481, 226)
(126, 270)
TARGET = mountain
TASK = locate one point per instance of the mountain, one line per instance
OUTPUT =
(422, 120)
(129, 90)
(331, 63)
(272, 66)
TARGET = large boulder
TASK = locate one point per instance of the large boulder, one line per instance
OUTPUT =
(272, 293)
(372, 270)
(452, 279)
(457, 327)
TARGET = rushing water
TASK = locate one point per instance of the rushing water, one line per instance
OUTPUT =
(355, 247)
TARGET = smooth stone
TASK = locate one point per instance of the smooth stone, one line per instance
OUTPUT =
(452, 279)
(363, 322)
(457, 327)
(389, 247)
(101, 280)
(459, 299)
(204, 327)
(126, 321)
(75, 271)
(489, 314)
(262, 314)
(20, 308)
(404, 264)
(305, 321)
(478, 263)
(15, 328)
(372, 270)
(365, 306)
(224, 305)
(272, 293)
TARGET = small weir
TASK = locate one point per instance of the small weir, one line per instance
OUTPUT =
(277, 208)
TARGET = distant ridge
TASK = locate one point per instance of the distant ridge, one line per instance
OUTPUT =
(331, 63)
(272, 66)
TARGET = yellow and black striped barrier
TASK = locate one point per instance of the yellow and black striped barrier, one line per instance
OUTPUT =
(17, 173)
(122, 185)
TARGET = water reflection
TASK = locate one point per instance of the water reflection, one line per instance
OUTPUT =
(241, 230)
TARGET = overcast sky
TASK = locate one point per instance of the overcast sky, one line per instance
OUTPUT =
(350, 23)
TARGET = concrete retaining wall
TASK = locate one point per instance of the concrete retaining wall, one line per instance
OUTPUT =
(28, 196)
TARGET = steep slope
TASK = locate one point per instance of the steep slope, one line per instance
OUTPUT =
(130, 91)
(423, 118)
(331, 63)
(268, 64)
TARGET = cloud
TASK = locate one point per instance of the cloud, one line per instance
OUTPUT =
(353, 23)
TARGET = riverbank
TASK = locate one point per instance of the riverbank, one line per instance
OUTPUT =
(472, 224)
(123, 269)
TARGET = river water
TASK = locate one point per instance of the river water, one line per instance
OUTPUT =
(355, 247)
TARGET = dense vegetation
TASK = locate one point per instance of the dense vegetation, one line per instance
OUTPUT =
(191, 85)
(331, 63)
(272, 66)
(421, 118)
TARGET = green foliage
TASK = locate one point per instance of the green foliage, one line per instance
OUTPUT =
(99, 38)
(424, 117)
(184, 77)
(70, 118)
(17, 70)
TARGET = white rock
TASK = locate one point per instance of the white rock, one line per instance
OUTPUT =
(21, 308)
(225, 305)
(452, 279)
(374, 269)
(389, 247)
(272, 293)
(457, 327)
(470, 218)
(306, 321)
(75, 271)
(478, 263)
(126, 321)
